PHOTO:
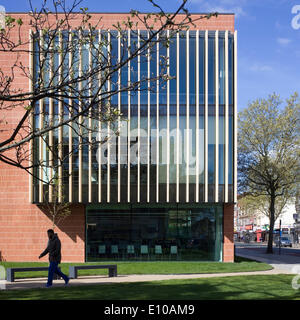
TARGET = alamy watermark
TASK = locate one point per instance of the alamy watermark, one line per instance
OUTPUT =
(295, 284)
(2, 278)
(2, 17)
(296, 20)
(157, 144)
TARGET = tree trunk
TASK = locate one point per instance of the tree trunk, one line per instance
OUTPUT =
(272, 222)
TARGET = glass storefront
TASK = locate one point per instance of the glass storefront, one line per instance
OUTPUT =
(131, 232)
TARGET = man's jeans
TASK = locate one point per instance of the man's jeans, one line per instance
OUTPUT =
(53, 268)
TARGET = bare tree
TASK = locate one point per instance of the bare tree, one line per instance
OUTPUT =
(58, 209)
(74, 75)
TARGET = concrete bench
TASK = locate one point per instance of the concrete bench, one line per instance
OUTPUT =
(10, 272)
(112, 269)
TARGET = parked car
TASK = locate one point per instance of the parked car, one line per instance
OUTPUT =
(285, 242)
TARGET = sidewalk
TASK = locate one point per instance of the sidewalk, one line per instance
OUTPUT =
(90, 280)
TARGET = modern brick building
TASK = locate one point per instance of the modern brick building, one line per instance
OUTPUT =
(176, 200)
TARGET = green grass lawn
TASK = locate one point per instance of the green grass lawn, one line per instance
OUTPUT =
(173, 267)
(261, 287)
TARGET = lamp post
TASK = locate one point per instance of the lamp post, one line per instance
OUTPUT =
(279, 236)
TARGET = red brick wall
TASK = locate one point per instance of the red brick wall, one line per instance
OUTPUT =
(228, 246)
(222, 22)
(23, 226)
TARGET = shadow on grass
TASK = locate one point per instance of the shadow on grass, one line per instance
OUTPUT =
(238, 259)
(228, 288)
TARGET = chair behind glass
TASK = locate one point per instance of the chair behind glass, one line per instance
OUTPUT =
(173, 251)
(102, 249)
(158, 251)
(130, 250)
(114, 250)
(144, 250)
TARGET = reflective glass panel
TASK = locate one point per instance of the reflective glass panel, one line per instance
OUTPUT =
(150, 233)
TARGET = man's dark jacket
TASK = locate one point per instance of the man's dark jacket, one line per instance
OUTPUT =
(54, 249)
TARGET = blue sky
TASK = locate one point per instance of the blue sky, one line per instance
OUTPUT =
(268, 45)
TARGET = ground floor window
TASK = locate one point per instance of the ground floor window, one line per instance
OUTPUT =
(177, 232)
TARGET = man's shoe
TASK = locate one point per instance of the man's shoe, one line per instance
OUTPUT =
(67, 282)
(48, 286)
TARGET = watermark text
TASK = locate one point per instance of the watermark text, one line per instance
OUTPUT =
(296, 19)
(2, 278)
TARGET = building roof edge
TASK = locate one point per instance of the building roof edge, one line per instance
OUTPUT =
(97, 12)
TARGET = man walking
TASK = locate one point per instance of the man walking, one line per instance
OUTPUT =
(54, 250)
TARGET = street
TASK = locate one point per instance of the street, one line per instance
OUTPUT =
(287, 259)
(261, 247)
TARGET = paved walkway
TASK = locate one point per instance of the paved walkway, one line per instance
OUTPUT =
(282, 264)
(89, 280)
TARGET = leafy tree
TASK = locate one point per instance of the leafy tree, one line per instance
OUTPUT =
(268, 152)
(255, 206)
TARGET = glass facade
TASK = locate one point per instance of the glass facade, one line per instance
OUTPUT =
(155, 191)
(131, 232)
(154, 157)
